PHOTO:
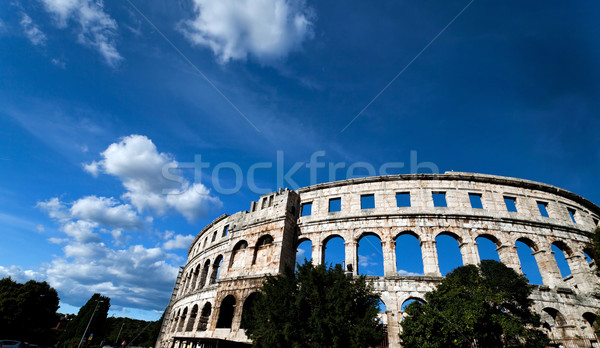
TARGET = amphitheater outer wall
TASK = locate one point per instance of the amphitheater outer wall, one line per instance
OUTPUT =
(229, 258)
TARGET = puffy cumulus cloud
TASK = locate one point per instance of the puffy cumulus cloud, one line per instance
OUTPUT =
(233, 29)
(136, 161)
(96, 29)
(31, 30)
(135, 277)
(179, 242)
(87, 213)
(106, 211)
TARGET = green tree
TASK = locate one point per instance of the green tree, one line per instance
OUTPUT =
(97, 309)
(132, 331)
(314, 307)
(488, 304)
(28, 311)
(594, 247)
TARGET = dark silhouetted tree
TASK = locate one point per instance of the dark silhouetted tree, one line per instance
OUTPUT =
(76, 327)
(314, 307)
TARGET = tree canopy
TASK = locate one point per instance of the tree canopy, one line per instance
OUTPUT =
(488, 304)
(28, 311)
(76, 327)
(313, 307)
(595, 247)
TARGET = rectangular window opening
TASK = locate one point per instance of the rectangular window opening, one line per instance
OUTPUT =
(225, 230)
(214, 237)
(439, 199)
(475, 199)
(403, 199)
(367, 201)
(543, 207)
(511, 204)
(335, 204)
(572, 213)
(596, 222)
(306, 209)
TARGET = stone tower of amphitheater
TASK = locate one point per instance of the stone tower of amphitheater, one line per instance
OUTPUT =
(229, 258)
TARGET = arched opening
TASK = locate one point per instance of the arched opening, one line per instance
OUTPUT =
(409, 259)
(487, 245)
(525, 250)
(262, 254)
(590, 320)
(238, 254)
(216, 269)
(247, 309)
(559, 249)
(195, 278)
(370, 255)
(175, 321)
(204, 317)
(406, 303)
(556, 320)
(381, 314)
(334, 251)
(448, 251)
(182, 319)
(226, 312)
(588, 258)
(205, 270)
(192, 319)
(303, 252)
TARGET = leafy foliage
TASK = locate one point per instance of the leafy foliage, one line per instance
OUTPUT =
(76, 327)
(314, 307)
(28, 311)
(131, 331)
(594, 247)
(488, 304)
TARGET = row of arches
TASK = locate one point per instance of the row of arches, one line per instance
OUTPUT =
(448, 249)
(196, 278)
(187, 319)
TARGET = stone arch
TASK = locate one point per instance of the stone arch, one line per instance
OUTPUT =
(561, 251)
(238, 254)
(371, 260)
(192, 318)
(556, 321)
(175, 320)
(204, 316)
(527, 253)
(216, 269)
(226, 312)
(409, 255)
(447, 245)
(262, 251)
(590, 320)
(382, 311)
(368, 233)
(336, 255)
(304, 247)
(182, 319)
(488, 245)
(194, 283)
(249, 303)
(204, 275)
(405, 303)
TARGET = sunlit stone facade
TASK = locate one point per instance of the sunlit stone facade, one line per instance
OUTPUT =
(229, 258)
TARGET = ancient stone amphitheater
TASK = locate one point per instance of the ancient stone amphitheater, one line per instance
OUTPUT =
(228, 259)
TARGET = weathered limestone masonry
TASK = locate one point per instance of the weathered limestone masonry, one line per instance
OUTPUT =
(229, 258)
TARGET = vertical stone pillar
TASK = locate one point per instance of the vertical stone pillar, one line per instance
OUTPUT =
(548, 268)
(317, 254)
(508, 256)
(388, 248)
(431, 265)
(581, 272)
(351, 255)
(469, 252)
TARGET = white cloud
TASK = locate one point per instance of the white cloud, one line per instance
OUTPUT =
(402, 272)
(106, 211)
(31, 30)
(140, 167)
(59, 63)
(81, 231)
(234, 29)
(179, 242)
(96, 29)
(131, 277)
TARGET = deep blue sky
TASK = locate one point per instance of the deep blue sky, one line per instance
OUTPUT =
(509, 88)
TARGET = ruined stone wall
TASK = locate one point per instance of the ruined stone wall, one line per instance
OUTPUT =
(567, 305)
